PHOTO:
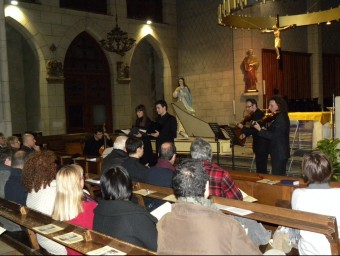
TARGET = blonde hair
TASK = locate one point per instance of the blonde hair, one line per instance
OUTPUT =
(68, 203)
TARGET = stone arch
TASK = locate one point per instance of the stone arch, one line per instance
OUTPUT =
(162, 76)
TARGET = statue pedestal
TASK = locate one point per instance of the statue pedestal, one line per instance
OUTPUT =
(251, 93)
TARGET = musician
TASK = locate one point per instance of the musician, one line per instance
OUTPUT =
(93, 144)
(278, 134)
(260, 144)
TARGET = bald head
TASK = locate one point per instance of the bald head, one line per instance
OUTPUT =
(167, 151)
(18, 159)
(120, 143)
(28, 140)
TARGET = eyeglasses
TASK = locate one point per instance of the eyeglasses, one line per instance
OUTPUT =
(249, 106)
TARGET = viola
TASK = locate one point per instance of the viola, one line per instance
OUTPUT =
(238, 131)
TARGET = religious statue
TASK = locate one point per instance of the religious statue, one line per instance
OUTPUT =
(276, 30)
(250, 65)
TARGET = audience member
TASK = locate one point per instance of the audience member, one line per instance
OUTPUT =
(2, 141)
(166, 127)
(221, 183)
(13, 142)
(161, 174)
(5, 168)
(117, 155)
(28, 143)
(118, 217)
(195, 225)
(38, 177)
(93, 144)
(70, 203)
(319, 198)
(14, 188)
(136, 170)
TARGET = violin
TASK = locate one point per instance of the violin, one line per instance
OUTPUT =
(238, 131)
(247, 118)
(269, 117)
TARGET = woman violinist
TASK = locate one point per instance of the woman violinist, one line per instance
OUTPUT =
(260, 144)
(278, 134)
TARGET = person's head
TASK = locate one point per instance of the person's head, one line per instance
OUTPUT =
(2, 139)
(276, 91)
(200, 149)
(277, 104)
(68, 202)
(39, 170)
(18, 159)
(317, 168)
(28, 140)
(6, 155)
(98, 133)
(190, 179)
(251, 105)
(140, 111)
(13, 142)
(134, 147)
(250, 52)
(120, 142)
(181, 82)
(161, 107)
(116, 184)
(168, 152)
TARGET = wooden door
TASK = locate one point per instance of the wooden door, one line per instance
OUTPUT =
(87, 86)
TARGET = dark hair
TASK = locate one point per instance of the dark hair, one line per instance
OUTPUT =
(140, 107)
(162, 103)
(6, 153)
(189, 179)
(252, 101)
(97, 129)
(132, 144)
(167, 150)
(184, 83)
(276, 91)
(281, 103)
(116, 184)
(317, 168)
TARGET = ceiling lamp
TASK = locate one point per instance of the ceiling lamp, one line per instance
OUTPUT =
(117, 40)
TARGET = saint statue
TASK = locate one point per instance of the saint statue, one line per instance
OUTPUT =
(250, 65)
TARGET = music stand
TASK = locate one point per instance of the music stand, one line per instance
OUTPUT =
(233, 141)
(218, 135)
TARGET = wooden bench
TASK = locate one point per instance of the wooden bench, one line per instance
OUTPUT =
(93, 240)
(275, 195)
(318, 223)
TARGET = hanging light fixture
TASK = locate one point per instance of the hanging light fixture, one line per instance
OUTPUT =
(117, 40)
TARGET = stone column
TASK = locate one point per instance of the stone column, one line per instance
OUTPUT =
(5, 107)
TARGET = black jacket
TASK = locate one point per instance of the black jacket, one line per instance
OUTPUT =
(167, 127)
(136, 170)
(116, 157)
(126, 221)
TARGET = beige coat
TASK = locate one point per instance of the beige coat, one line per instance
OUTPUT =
(195, 229)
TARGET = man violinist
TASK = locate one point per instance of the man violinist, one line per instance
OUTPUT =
(260, 144)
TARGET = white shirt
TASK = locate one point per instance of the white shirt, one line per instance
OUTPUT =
(321, 201)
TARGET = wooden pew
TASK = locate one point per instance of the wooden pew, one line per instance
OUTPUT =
(29, 219)
(318, 223)
(275, 195)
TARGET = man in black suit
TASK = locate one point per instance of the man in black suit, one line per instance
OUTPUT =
(260, 145)
(166, 127)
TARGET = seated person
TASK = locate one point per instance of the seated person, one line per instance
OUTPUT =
(117, 155)
(14, 188)
(195, 225)
(28, 143)
(39, 179)
(135, 149)
(93, 144)
(13, 142)
(221, 183)
(118, 217)
(319, 198)
(70, 203)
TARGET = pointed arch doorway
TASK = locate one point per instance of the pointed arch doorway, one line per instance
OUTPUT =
(87, 86)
